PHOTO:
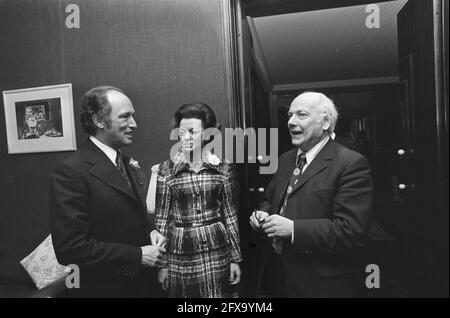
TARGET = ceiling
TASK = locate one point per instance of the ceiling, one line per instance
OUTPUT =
(262, 8)
(328, 45)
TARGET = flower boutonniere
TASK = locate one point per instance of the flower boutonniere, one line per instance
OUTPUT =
(213, 159)
(134, 164)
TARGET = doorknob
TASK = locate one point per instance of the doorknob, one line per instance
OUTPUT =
(403, 186)
(401, 152)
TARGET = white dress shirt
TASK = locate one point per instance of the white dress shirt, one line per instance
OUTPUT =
(333, 135)
(312, 153)
(109, 152)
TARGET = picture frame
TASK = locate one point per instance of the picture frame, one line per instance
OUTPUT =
(40, 119)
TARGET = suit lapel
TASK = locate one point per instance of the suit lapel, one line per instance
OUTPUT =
(105, 170)
(285, 177)
(319, 163)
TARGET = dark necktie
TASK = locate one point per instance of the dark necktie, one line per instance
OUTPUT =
(120, 166)
(296, 173)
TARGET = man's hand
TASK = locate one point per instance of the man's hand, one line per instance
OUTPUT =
(257, 219)
(151, 254)
(157, 238)
(235, 273)
(277, 226)
(163, 278)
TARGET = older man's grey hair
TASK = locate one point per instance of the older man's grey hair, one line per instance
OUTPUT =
(325, 103)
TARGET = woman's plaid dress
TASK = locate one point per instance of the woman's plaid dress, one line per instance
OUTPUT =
(196, 212)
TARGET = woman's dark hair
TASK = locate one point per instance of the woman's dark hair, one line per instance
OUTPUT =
(95, 101)
(197, 110)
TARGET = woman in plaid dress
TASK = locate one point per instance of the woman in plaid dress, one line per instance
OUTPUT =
(196, 211)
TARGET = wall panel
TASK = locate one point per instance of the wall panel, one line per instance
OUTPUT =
(163, 53)
(30, 55)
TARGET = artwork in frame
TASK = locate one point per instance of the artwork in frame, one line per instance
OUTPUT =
(40, 119)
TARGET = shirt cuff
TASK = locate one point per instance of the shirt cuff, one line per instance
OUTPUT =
(292, 237)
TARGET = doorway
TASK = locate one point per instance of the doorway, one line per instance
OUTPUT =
(376, 102)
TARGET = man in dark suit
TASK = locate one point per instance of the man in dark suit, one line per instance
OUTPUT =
(316, 211)
(97, 205)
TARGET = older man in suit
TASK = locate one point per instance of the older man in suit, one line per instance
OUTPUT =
(97, 205)
(316, 211)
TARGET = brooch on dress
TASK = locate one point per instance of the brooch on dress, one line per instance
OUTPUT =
(213, 159)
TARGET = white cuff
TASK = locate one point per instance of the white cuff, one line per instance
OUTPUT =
(292, 237)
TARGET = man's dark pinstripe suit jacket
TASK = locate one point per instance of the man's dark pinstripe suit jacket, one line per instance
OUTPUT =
(99, 223)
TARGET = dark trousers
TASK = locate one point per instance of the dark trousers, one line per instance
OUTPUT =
(143, 286)
(307, 283)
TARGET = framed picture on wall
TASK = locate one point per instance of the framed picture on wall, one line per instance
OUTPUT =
(40, 119)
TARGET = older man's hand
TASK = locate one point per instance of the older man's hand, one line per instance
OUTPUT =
(257, 219)
(277, 226)
(152, 255)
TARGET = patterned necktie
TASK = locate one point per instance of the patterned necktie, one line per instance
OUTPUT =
(277, 243)
(120, 166)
